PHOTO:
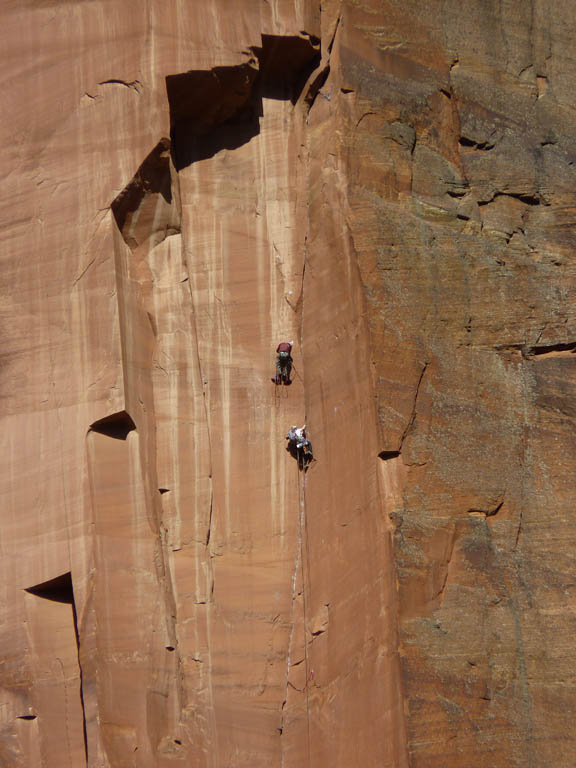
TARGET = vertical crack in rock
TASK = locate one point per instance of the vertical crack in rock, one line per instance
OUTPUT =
(60, 590)
(315, 85)
(202, 380)
(305, 564)
(446, 565)
(290, 637)
(317, 79)
(210, 519)
(412, 418)
(82, 702)
(519, 529)
(333, 38)
(297, 308)
(302, 523)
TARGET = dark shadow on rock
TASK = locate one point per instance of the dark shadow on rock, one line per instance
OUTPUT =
(117, 425)
(220, 108)
(387, 455)
(144, 208)
(153, 177)
(286, 63)
(315, 86)
(190, 147)
(211, 110)
(58, 590)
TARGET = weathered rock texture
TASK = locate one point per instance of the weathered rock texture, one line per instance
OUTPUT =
(185, 184)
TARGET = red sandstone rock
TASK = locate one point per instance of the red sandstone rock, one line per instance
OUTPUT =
(185, 185)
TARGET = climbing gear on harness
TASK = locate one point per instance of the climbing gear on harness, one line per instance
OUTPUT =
(300, 447)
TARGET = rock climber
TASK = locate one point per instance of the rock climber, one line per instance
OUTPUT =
(301, 445)
(283, 362)
(297, 435)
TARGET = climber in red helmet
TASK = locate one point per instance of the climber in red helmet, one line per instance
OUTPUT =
(283, 362)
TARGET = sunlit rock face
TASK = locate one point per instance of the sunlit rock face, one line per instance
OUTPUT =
(185, 185)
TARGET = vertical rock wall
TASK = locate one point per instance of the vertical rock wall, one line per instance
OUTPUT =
(187, 184)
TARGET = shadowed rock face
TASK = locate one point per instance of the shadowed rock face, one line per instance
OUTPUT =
(392, 186)
(144, 210)
(220, 109)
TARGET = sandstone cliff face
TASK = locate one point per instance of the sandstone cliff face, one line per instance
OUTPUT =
(185, 185)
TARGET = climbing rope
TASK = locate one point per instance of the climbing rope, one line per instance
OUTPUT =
(304, 563)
